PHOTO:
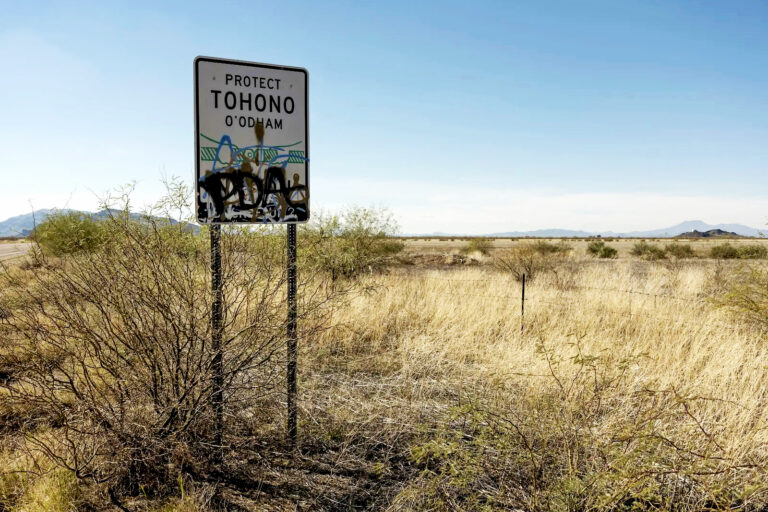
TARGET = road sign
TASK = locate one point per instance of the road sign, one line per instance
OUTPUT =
(251, 142)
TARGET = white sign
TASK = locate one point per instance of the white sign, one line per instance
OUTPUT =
(251, 142)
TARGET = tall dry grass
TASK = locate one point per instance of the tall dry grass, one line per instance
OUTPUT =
(627, 387)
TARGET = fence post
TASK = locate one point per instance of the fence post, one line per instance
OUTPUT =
(522, 308)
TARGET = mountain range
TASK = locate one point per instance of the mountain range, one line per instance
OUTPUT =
(669, 232)
(22, 225)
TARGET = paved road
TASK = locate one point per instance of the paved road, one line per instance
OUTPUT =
(10, 250)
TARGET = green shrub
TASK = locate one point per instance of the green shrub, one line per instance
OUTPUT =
(727, 251)
(680, 251)
(647, 251)
(358, 240)
(481, 245)
(69, 233)
(724, 252)
(753, 252)
(544, 247)
(598, 249)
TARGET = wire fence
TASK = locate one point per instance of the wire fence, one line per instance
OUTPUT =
(525, 298)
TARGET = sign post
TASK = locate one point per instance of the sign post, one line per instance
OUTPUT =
(251, 167)
(292, 340)
(217, 395)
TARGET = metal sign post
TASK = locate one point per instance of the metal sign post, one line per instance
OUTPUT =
(251, 167)
(217, 395)
(292, 340)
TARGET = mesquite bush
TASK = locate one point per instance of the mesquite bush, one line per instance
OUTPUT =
(114, 345)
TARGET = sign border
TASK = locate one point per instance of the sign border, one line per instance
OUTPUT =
(202, 58)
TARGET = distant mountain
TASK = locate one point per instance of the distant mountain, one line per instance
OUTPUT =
(545, 233)
(694, 225)
(22, 225)
(688, 226)
(712, 233)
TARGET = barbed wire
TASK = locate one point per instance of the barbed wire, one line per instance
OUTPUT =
(581, 287)
(572, 304)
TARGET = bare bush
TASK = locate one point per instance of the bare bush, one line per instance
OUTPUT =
(526, 259)
(115, 346)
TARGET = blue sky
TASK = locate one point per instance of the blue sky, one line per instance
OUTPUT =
(468, 117)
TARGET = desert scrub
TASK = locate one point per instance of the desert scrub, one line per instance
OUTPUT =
(727, 251)
(126, 330)
(599, 249)
(647, 251)
(68, 233)
(357, 241)
(564, 447)
(544, 247)
(478, 245)
(747, 295)
(526, 259)
(752, 252)
(724, 251)
(679, 250)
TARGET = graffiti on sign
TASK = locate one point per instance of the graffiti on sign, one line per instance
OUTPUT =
(252, 142)
(253, 184)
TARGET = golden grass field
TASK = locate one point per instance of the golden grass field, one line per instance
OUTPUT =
(626, 385)
(444, 245)
(632, 371)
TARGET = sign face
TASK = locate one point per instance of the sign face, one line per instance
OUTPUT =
(251, 142)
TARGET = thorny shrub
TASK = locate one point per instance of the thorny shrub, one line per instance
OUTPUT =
(64, 233)
(526, 259)
(115, 346)
(647, 251)
(478, 244)
(573, 446)
(544, 247)
(747, 295)
(356, 241)
(679, 250)
(727, 251)
(598, 249)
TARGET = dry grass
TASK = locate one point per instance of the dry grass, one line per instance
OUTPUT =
(660, 389)
(448, 246)
(628, 388)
